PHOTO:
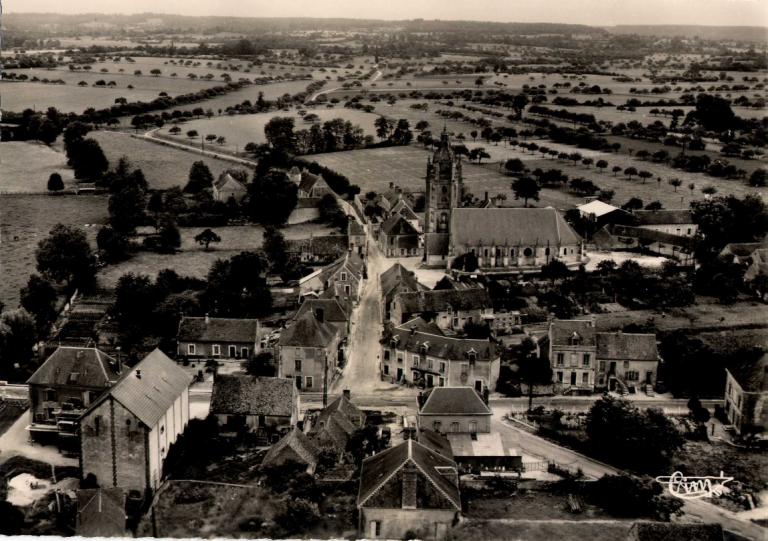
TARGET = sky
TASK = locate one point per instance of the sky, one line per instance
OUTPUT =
(592, 12)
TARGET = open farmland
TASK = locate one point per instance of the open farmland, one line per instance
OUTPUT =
(27, 219)
(240, 130)
(163, 166)
(193, 260)
(26, 167)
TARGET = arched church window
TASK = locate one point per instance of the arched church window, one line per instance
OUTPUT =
(546, 251)
(445, 189)
(527, 252)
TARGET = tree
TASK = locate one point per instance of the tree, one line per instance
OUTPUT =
(275, 248)
(206, 237)
(757, 179)
(237, 287)
(87, 159)
(156, 206)
(555, 270)
(526, 188)
(331, 213)
(13, 519)
(675, 183)
(630, 172)
(383, 127)
(635, 497)
(709, 190)
(654, 205)
(55, 183)
(616, 169)
(65, 256)
(645, 175)
(200, 178)
(169, 236)
(514, 166)
(18, 334)
(135, 299)
(113, 245)
(126, 209)
(531, 370)
(279, 133)
(38, 298)
(643, 440)
(271, 198)
(601, 164)
(634, 203)
(262, 364)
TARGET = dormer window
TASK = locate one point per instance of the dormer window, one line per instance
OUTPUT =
(424, 347)
(575, 339)
(343, 276)
(472, 355)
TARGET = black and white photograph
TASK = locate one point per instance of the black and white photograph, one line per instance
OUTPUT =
(396, 270)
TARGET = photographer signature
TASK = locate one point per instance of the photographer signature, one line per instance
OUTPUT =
(692, 488)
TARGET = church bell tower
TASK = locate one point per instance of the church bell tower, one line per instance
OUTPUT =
(444, 191)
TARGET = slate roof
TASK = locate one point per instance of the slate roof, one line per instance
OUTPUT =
(83, 367)
(440, 300)
(100, 512)
(345, 406)
(382, 467)
(454, 401)
(404, 209)
(215, 329)
(336, 423)
(436, 442)
(562, 330)
(294, 445)
(397, 225)
(227, 182)
(741, 249)
(307, 332)
(324, 246)
(332, 309)
(664, 217)
(751, 375)
(252, 395)
(627, 346)
(443, 347)
(597, 208)
(395, 276)
(151, 395)
(510, 226)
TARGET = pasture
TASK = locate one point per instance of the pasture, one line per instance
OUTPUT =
(240, 130)
(27, 219)
(163, 166)
(25, 167)
(193, 260)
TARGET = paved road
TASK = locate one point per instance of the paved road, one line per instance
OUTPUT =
(319, 93)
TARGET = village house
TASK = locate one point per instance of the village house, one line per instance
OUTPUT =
(741, 252)
(226, 187)
(333, 311)
(398, 237)
(61, 389)
(396, 279)
(403, 208)
(332, 427)
(345, 275)
(418, 352)
(357, 237)
(409, 487)
(451, 309)
(322, 249)
(309, 352)
(125, 435)
(294, 447)
(100, 512)
(454, 410)
(584, 360)
(746, 395)
(600, 214)
(671, 221)
(309, 184)
(264, 406)
(217, 338)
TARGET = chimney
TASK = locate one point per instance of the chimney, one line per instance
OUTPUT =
(319, 315)
(410, 479)
(486, 197)
(409, 433)
(413, 330)
(207, 319)
(486, 395)
(347, 394)
(138, 374)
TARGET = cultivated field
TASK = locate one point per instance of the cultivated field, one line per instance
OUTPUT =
(240, 130)
(27, 219)
(26, 166)
(163, 166)
(193, 260)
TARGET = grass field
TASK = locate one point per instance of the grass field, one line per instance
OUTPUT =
(243, 129)
(26, 166)
(27, 219)
(193, 260)
(163, 166)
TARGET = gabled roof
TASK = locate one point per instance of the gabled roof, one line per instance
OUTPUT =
(742, 249)
(100, 512)
(306, 331)
(345, 406)
(664, 217)
(149, 389)
(441, 300)
(310, 180)
(293, 446)
(404, 209)
(332, 429)
(627, 346)
(436, 442)
(397, 275)
(510, 226)
(442, 347)
(597, 208)
(355, 228)
(227, 182)
(752, 376)
(332, 309)
(215, 329)
(381, 468)
(81, 367)
(398, 225)
(454, 401)
(321, 246)
(252, 395)
(561, 331)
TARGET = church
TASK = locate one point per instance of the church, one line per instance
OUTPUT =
(505, 239)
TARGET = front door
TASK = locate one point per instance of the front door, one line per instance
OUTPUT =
(479, 385)
(649, 377)
(430, 381)
(612, 368)
(298, 382)
(573, 378)
(399, 374)
(232, 352)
